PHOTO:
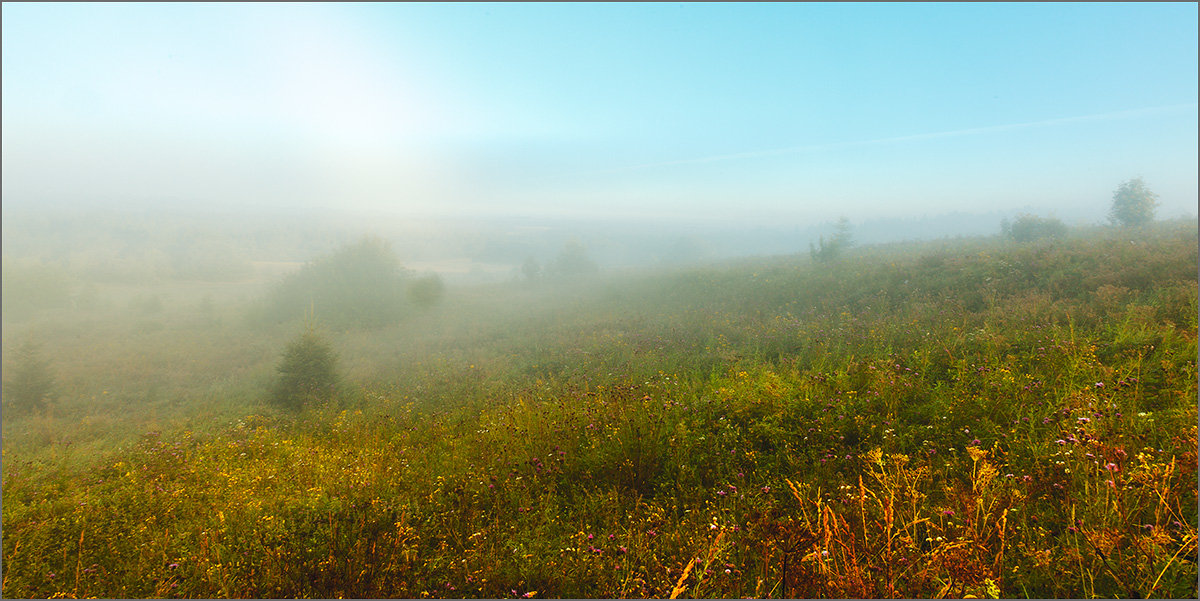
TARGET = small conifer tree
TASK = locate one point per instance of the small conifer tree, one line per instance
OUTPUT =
(307, 371)
(842, 240)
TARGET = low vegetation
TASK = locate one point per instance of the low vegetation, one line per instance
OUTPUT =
(972, 418)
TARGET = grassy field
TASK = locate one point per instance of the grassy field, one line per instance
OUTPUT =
(970, 417)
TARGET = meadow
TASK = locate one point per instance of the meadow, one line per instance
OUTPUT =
(962, 418)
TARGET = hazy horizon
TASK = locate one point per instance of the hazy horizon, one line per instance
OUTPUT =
(694, 112)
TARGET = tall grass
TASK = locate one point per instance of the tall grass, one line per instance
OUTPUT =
(979, 418)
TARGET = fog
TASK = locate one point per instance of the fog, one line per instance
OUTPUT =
(374, 300)
(210, 142)
(787, 115)
(229, 145)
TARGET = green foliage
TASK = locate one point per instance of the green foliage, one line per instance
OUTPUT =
(953, 419)
(1027, 228)
(841, 241)
(1133, 203)
(360, 285)
(30, 382)
(426, 291)
(307, 372)
(572, 261)
(531, 270)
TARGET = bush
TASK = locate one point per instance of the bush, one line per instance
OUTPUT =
(308, 371)
(426, 291)
(841, 240)
(572, 261)
(360, 285)
(1133, 203)
(1028, 227)
(32, 381)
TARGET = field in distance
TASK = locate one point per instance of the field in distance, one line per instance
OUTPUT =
(961, 418)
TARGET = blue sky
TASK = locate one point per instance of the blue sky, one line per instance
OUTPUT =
(775, 111)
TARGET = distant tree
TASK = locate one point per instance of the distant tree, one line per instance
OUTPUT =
(31, 383)
(1133, 203)
(360, 285)
(531, 269)
(1028, 227)
(842, 239)
(306, 372)
(572, 261)
(426, 291)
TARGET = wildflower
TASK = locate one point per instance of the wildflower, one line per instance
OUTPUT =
(948, 512)
(1060, 442)
(1112, 467)
(975, 442)
(766, 489)
(1083, 420)
(1099, 384)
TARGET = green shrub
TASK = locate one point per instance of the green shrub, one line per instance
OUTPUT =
(1028, 228)
(426, 291)
(841, 240)
(572, 261)
(307, 371)
(361, 285)
(1133, 203)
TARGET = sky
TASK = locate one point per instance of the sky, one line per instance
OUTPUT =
(796, 112)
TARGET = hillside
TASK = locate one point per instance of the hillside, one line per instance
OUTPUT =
(969, 417)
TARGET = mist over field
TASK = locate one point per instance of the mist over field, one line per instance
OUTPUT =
(597, 301)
